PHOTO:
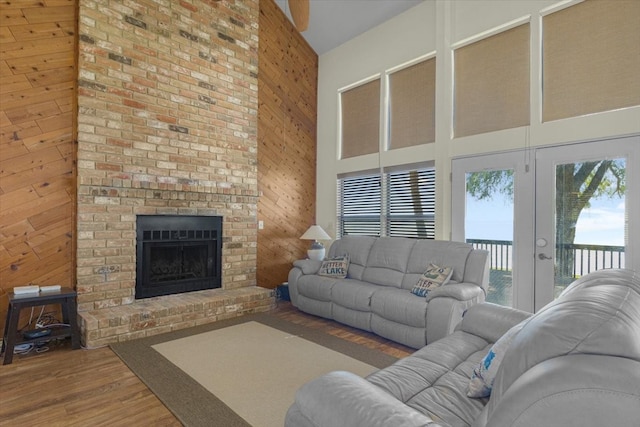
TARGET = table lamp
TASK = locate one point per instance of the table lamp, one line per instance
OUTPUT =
(315, 233)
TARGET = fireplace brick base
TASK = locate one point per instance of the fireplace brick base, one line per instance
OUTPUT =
(153, 316)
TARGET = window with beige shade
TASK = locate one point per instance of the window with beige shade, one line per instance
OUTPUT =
(412, 99)
(360, 120)
(591, 58)
(491, 78)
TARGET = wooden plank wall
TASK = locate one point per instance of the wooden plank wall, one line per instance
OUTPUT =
(287, 105)
(37, 152)
(37, 178)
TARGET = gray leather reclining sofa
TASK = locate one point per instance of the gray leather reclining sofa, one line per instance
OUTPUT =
(574, 363)
(376, 294)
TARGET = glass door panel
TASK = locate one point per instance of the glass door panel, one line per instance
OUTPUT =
(584, 211)
(491, 205)
(489, 226)
(590, 219)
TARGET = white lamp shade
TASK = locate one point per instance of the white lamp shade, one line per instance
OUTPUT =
(315, 232)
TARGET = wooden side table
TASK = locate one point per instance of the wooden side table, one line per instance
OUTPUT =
(66, 297)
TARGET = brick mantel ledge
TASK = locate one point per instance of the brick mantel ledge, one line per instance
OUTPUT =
(152, 316)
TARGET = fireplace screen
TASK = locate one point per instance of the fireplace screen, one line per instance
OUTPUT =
(177, 254)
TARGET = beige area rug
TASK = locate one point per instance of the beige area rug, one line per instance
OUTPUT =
(256, 369)
(242, 371)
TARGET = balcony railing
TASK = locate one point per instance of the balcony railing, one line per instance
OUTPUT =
(586, 258)
(581, 259)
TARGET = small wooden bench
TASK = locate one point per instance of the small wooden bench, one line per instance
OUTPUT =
(66, 297)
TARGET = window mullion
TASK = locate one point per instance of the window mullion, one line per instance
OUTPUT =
(384, 209)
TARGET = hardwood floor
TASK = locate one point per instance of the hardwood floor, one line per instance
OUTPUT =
(94, 387)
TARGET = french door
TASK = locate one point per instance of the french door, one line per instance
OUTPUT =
(549, 215)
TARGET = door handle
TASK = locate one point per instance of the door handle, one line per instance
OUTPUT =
(542, 256)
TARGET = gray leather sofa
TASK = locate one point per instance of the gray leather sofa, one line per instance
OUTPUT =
(376, 294)
(574, 363)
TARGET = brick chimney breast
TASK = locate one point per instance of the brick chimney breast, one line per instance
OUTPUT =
(167, 124)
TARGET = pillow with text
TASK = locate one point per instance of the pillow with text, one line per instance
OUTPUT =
(431, 279)
(335, 267)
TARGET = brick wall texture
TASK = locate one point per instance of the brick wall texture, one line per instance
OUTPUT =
(167, 124)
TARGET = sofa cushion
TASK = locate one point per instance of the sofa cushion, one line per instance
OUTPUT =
(400, 306)
(431, 279)
(316, 287)
(357, 247)
(438, 252)
(335, 267)
(433, 380)
(344, 399)
(349, 316)
(450, 408)
(315, 306)
(387, 261)
(353, 294)
(410, 336)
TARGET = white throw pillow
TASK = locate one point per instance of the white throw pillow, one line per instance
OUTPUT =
(335, 267)
(484, 374)
(432, 279)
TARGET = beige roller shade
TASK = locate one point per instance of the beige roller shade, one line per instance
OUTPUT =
(492, 83)
(361, 120)
(412, 115)
(591, 58)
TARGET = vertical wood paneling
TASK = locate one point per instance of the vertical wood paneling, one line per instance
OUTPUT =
(287, 98)
(37, 173)
(37, 177)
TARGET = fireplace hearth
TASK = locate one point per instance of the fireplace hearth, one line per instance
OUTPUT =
(177, 253)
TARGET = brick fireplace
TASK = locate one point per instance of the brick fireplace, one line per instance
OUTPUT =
(167, 125)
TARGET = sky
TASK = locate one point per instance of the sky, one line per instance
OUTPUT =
(601, 224)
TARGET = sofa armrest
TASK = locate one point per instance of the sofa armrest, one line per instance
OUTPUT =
(343, 399)
(575, 390)
(458, 291)
(446, 306)
(301, 267)
(491, 321)
(308, 266)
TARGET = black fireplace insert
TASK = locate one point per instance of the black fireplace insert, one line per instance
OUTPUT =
(177, 253)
